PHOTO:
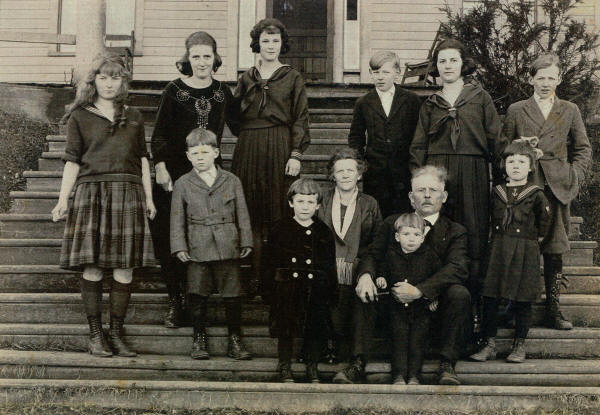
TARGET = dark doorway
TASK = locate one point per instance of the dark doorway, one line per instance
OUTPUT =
(307, 24)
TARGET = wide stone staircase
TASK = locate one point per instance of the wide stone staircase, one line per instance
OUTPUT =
(43, 330)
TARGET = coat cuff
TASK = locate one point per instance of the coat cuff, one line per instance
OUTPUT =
(296, 154)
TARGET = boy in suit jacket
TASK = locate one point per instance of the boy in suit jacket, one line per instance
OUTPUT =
(382, 129)
(556, 128)
(210, 231)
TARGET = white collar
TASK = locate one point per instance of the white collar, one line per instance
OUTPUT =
(212, 172)
(540, 100)
(389, 92)
(432, 218)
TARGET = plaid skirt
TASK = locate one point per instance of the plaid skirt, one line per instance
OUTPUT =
(107, 227)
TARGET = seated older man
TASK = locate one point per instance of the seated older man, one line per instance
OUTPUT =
(449, 240)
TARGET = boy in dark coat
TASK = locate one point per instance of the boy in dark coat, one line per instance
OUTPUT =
(382, 129)
(407, 260)
(557, 129)
(300, 279)
(210, 231)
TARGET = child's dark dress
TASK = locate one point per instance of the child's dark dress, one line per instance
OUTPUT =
(301, 278)
(520, 215)
(410, 323)
(273, 128)
(107, 225)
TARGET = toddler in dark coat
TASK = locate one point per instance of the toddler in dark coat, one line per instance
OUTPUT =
(520, 217)
(300, 279)
(408, 261)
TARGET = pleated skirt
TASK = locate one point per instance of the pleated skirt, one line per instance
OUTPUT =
(259, 161)
(107, 227)
(514, 269)
(468, 201)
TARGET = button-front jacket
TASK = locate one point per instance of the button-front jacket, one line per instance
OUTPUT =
(299, 277)
(210, 222)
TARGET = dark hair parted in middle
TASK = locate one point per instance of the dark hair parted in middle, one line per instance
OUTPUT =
(521, 148)
(468, 64)
(347, 154)
(304, 186)
(270, 26)
(195, 39)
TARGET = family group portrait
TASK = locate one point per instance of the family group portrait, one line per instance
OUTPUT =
(299, 206)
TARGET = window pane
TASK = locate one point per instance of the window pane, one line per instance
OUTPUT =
(68, 22)
(120, 17)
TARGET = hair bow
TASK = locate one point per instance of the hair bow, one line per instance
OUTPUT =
(533, 142)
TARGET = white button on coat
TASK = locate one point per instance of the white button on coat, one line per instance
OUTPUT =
(310, 276)
(293, 259)
(295, 275)
(308, 261)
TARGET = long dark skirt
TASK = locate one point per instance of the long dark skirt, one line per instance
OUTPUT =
(468, 201)
(107, 227)
(259, 161)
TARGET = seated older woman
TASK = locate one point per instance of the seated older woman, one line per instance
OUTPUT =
(354, 217)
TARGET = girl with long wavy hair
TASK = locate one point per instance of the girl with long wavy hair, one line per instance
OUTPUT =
(106, 162)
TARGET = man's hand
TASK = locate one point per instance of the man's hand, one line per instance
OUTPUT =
(405, 293)
(381, 283)
(366, 289)
(245, 252)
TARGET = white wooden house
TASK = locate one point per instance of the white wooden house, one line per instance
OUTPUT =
(332, 39)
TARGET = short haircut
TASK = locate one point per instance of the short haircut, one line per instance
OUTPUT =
(379, 58)
(438, 172)
(201, 137)
(520, 148)
(195, 39)
(468, 64)
(544, 61)
(411, 220)
(347, 154)
(304, 186)
(271, 26)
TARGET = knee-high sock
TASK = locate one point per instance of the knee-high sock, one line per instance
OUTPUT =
(119, 299)
(233, 315)
(91, 294)
(198, 307)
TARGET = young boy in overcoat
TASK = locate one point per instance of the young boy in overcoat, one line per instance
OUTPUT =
(556, 127)
(300, 279)
(210, 231)
(383, 125)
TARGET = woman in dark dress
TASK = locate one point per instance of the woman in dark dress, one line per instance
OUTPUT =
(458, 129)
(273, 131)
(192, 101)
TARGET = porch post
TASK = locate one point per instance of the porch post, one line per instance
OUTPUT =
(91, 28)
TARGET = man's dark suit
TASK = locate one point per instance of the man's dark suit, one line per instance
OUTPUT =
(449, 240)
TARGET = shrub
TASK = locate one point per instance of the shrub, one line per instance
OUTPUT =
(504, 39)
(21, 144)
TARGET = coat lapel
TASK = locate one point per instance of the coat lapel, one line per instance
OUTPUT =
(532, 109)
(397, 102)
(375, 103)
(552, 121)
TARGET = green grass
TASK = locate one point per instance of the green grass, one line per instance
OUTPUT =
(22, 141)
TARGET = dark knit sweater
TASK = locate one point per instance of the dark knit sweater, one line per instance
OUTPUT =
(103, 154)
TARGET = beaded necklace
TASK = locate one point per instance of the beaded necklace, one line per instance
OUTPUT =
(202, 105)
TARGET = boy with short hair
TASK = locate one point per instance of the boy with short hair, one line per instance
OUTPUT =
(300, 279)
(388, 116)
(555, 127)
(210, 231)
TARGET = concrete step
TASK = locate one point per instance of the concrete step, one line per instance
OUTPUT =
(149, 308)
(71, 365)
(291, 398)
(52, 279)
(155, 339)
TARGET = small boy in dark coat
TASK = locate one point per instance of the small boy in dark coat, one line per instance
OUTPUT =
(210, 231)
(388, 116)
(300, 279)
(408, 261)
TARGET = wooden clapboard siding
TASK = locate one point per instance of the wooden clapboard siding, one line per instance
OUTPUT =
(405, 27)
(29, 62)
